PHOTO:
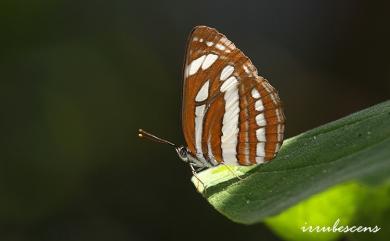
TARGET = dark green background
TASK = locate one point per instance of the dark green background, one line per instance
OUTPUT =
(78, 78)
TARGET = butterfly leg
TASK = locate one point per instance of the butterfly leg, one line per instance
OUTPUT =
(231, 170)
(197, 177)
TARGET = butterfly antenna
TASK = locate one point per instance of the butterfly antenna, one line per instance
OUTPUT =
(147, 135)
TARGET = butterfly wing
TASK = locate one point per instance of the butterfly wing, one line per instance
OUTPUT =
(229, 113)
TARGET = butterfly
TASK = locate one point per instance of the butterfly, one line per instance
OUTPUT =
(230, 114)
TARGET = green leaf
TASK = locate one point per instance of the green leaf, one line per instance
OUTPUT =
(357, 146)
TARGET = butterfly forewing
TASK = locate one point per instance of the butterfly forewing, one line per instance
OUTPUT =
(229, 114)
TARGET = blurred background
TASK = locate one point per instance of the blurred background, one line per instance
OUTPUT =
(78, 78)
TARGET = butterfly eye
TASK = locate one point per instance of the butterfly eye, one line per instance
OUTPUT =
(182, 153)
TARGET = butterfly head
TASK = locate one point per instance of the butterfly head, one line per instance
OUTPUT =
(182, 152)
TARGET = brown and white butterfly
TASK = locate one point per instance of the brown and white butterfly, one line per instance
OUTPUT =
(230, 114)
